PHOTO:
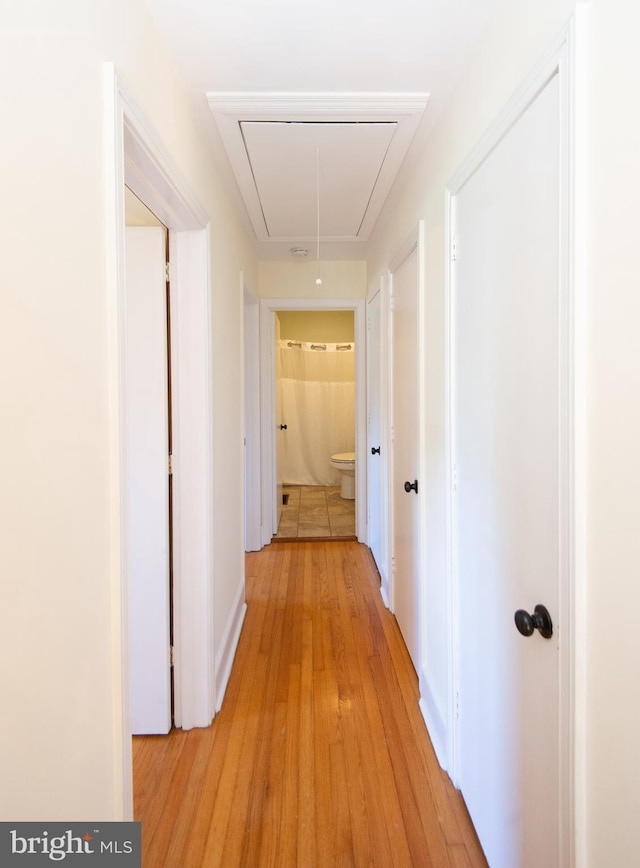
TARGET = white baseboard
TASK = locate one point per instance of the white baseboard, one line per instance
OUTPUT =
(227, 651)
(384, 594)
(435, 727)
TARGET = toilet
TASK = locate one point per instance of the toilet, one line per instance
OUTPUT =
(345, 462)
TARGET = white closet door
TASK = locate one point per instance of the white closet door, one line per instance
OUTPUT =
(146, 420)
(508, 370)
(405, 453)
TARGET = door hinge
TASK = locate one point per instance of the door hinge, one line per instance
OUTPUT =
(453, 253)
(170, 464)
(167, 272)
(170, 656)
(454, 477)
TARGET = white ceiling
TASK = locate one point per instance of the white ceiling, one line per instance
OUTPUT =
(274, 84)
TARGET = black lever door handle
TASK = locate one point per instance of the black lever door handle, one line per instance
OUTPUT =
(375, 450)
(411, 486)
(283, 427)
(540, 620)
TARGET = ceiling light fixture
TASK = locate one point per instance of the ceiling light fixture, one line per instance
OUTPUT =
(318, 278)
(299, 252)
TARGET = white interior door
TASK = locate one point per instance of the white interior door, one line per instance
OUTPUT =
(508, 511)
(374, 439)
(405, 504)
(148, 496)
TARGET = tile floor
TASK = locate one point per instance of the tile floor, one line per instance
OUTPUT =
(316, 511)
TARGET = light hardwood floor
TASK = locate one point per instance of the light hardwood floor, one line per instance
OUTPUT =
(319, 756)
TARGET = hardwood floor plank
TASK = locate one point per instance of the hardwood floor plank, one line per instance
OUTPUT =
(341, 838)
(228, 777)
(458, 856)
(171, 847)
(326, 734)
(319, 755)
(368, 843)
(155, 759)
(274, 849)
(385, 807)
(302, 710)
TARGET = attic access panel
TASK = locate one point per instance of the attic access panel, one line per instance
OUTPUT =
(285, 157)
(402, 113)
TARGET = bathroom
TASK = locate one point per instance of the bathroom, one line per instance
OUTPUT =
(315, 384)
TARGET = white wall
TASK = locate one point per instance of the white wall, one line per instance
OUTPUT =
(60, 751)
(510, 45)
(332, 326)
(508, 49)
(613, 765)
(297, 279)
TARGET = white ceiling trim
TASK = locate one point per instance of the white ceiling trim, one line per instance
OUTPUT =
(230, 109)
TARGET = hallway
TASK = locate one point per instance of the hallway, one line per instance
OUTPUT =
(319, 756)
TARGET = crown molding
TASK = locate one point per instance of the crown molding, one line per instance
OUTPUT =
(285, 106)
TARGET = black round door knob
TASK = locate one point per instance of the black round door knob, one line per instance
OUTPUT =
(411, 486)
(375, 450)
(540, 620)
(283, 427)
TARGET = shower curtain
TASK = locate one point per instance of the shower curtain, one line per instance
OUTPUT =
(318, 407)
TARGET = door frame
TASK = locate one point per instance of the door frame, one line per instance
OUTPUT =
(268, 309)
(566, 57)
(135, 156)
(381, 384)
(251, 380)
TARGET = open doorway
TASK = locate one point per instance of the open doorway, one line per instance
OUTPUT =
(274, 312)
(138, 160)
(315, 424)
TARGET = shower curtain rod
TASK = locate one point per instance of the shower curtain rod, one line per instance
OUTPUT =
(318, 346)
